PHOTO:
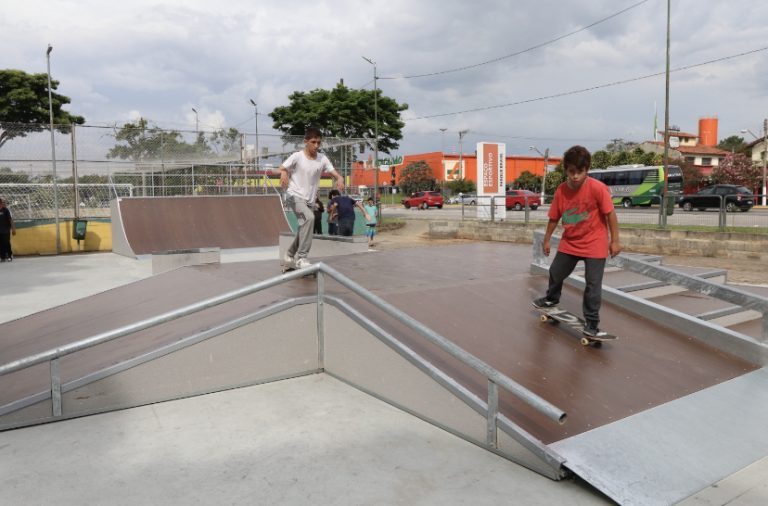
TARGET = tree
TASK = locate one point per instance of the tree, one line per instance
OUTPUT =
(225, 141)
(692, 177)
(528, 181)
(417, 176)
(144, 142)
(462, 186)
(738, 169)
(24, 105)
(342, 112)
(734, 144)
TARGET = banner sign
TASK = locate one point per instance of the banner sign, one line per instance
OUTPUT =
(491, 179)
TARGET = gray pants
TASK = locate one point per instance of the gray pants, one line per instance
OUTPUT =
(306, 217)
(562, 267)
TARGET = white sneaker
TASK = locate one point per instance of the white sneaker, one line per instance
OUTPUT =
(302, 263)
(288, 259)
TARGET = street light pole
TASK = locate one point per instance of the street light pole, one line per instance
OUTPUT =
(53, 152)
(545, 154)
(197, 129)
(256, 159)
(442, 140)
(462, 133)
(376, 129)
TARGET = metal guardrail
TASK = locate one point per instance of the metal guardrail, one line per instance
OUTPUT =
(493, 376)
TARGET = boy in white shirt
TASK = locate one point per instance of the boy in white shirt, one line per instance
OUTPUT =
(300, 177)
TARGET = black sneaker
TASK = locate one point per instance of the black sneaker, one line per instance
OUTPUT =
(591, 330)
(543, 303)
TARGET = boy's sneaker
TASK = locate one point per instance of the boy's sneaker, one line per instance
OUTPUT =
(302, 263)
(591, 330)
(544, 303)
(288, 259)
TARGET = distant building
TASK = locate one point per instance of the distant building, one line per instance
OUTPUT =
(700, 150)
(447, 167)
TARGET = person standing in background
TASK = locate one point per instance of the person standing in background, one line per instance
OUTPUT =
(318, 210)
(7, 228)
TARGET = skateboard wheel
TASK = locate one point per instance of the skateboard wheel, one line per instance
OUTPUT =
(544, 317)
(597, 344)
(584, 341)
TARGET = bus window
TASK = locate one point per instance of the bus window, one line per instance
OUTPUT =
(636, 177)
(621, 178)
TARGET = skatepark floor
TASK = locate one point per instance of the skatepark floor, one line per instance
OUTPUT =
(310, 439)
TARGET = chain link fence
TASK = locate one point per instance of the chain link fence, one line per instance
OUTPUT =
(91, 165)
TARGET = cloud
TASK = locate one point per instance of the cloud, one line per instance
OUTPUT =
(164, 57)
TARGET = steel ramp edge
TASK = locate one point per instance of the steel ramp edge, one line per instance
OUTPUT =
(670, 452)
(512, 441)
(523, 448)
(157, 353)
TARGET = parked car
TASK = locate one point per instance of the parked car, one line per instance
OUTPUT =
(734, 198)
(517, 199)
(468, 199)
(424, 200)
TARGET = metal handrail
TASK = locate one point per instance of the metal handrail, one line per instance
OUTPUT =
(493, 376)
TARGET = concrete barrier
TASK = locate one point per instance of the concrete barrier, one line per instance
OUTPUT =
(164, 261)
(651, 241)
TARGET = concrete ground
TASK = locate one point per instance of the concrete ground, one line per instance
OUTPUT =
(306, 440)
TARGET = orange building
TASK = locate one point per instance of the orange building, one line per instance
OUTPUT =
(445, 168)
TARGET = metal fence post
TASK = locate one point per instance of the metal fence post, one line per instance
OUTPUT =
(491, 437)
(320, 320)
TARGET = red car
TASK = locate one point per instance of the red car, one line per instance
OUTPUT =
(424, 200)
(517, 199)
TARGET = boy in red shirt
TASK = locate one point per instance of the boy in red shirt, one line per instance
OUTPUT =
(586, 209)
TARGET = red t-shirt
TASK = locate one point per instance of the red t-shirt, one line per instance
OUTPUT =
(584, 218)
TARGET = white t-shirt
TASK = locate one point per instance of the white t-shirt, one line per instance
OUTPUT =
(305, 174)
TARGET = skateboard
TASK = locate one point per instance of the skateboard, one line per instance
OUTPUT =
(559, 315)
(288, 268)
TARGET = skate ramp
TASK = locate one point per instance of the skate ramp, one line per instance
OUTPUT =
(146, 225)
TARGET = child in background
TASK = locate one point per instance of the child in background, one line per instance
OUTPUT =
(370, 225)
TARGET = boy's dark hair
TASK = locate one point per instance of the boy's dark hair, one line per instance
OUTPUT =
(334, 193)
(312, 133)
(578, 156)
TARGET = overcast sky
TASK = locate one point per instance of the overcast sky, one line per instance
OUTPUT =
(159, 59)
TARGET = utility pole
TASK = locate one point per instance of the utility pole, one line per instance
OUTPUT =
(765, 153)
(53, 152)
(462, 133)
(664, 200)
(257, 156)
(442, 141)
(376, 129)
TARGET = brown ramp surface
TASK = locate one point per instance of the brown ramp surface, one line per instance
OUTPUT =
(158, 224)
(476, 295)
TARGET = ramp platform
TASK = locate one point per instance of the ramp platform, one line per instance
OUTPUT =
(146, 225)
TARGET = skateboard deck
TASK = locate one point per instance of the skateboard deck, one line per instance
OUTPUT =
(288, 268)
(559, 315)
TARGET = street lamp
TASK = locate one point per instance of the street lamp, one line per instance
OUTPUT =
(764, 153)
(442, 140)
(376, 128)
(256, 131)
(53, 151)
(462, 133)
(545, 154)
(197, 130)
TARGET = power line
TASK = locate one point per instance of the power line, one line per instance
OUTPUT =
(591, 88)
(537, 46)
